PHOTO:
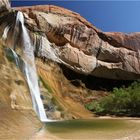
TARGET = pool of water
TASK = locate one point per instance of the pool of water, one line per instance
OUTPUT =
(96, 129)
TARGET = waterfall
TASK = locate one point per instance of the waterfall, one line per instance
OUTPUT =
(30, 69)
(5, 33)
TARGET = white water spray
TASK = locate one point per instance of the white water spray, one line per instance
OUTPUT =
(30, 69)
(16, 57)
(5, 33)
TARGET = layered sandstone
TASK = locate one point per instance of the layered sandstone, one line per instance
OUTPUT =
(62, 100)
(12, 36)
(69, 39)
(17, 117)
(4, 5)
(62, 36)
(16, 111)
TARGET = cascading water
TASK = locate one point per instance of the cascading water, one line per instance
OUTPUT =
(30, 69)
(4, 36)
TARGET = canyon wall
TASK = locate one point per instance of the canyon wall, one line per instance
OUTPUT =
(67, 38)
(67, 48)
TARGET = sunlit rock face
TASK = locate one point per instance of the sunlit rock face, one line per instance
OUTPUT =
(61, 36)
(11, 33)
(17, 117)
(62, 100)
(4, 5)
(16, 112)
(65, 37)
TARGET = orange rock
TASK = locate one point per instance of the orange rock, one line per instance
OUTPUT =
(67, 38)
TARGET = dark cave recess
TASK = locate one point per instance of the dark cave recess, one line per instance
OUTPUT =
(92, 82)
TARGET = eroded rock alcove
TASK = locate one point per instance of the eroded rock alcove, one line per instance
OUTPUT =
(76, 64)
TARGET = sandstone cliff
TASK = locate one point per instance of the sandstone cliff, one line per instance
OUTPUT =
(16, 112)
(69, 52)
(65, 37)
(69, 39)
(12, 36)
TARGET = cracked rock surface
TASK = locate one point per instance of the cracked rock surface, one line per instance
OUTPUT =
(65, 37)
(71, 40)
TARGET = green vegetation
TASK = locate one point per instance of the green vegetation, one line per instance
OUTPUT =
(122, 101)
(10, 55)
(46, 85)
(17, 60)
(56, 102)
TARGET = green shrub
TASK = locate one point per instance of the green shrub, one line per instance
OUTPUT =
(122, 101)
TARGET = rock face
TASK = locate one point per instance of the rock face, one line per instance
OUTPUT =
(65, 37)
(61, 36)
(16, 112)
(4, 5)
(17, 117)
(61, 99)
(11, 34)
